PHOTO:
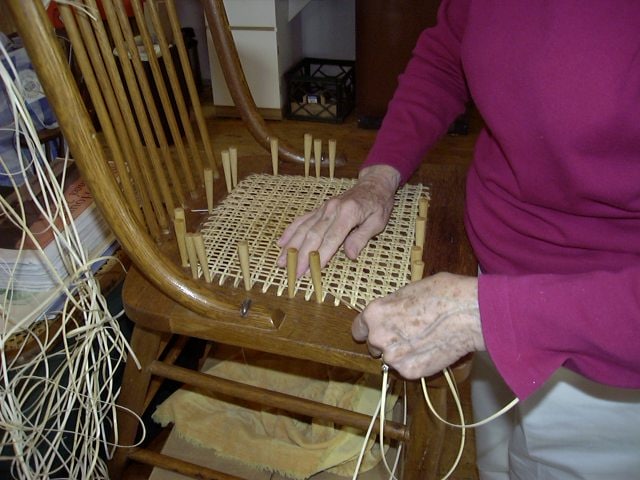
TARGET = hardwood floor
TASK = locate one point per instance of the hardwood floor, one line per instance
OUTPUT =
(354, 144)
(352, 141)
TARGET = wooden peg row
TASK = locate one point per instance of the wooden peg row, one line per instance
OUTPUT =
(274, 155)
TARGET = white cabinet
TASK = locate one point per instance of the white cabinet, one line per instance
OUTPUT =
(267, 34)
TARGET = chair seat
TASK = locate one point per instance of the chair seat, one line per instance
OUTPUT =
(314, 332)
(308, 331)
(320, 333)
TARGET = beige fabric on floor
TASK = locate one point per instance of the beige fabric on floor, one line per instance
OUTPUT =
(274, 442)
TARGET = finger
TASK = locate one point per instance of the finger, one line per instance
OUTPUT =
(292, 228)
(285, 240)
(375, 352)
(311, 240)
(325, 235)
(359, 237)
(359, 329)
(334, 237)
(415, 367)
(413, 361)
(303, 241)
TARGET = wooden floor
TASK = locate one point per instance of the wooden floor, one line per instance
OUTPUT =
(353, 143)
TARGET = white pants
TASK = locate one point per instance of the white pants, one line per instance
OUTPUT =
(571, 428)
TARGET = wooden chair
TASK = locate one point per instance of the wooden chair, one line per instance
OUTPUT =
(138, 180)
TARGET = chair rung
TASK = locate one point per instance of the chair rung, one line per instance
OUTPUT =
(270, 398)
(155, 459)
(169, 357)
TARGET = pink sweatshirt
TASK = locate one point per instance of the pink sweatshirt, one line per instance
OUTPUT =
(553, 193)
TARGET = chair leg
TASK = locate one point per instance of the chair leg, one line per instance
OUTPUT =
(422, 454)
(135, 384)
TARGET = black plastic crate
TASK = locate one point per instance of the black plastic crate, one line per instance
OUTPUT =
(321, 90)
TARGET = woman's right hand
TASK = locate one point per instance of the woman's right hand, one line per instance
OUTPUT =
(352, 219)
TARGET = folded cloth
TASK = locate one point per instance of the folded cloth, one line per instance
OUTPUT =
(272, 440)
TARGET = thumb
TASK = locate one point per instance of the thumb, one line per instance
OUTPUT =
(359, 329)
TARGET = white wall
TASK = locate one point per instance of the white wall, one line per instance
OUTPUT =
(328, 29)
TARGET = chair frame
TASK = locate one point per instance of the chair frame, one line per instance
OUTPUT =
(193, 309)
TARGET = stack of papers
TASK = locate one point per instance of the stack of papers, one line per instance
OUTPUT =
(36, 268)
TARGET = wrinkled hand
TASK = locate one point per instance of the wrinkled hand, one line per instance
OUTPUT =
(424, 326)
(352, 219)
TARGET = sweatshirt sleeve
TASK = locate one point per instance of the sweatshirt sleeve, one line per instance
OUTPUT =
(589, 323)
(431, 93)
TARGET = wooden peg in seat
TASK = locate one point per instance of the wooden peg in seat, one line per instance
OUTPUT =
(180, 228)
(226, 167)
(208, 188)
(308, 141)
(292, 267)
(191, 252)
(233, 160)
(317, 155)
(198, 242)
(332, 157)
(316, 276)
(274, 154)
(243, 255)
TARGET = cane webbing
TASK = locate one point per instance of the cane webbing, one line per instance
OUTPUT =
(262, 206)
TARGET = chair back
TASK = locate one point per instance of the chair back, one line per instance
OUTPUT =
(139, 150)
(136, 69)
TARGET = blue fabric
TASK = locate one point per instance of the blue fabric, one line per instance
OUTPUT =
(37, 105)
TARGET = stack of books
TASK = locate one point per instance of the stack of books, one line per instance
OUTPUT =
(35, 269)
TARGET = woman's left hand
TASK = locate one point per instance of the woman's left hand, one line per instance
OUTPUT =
(425, 326)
